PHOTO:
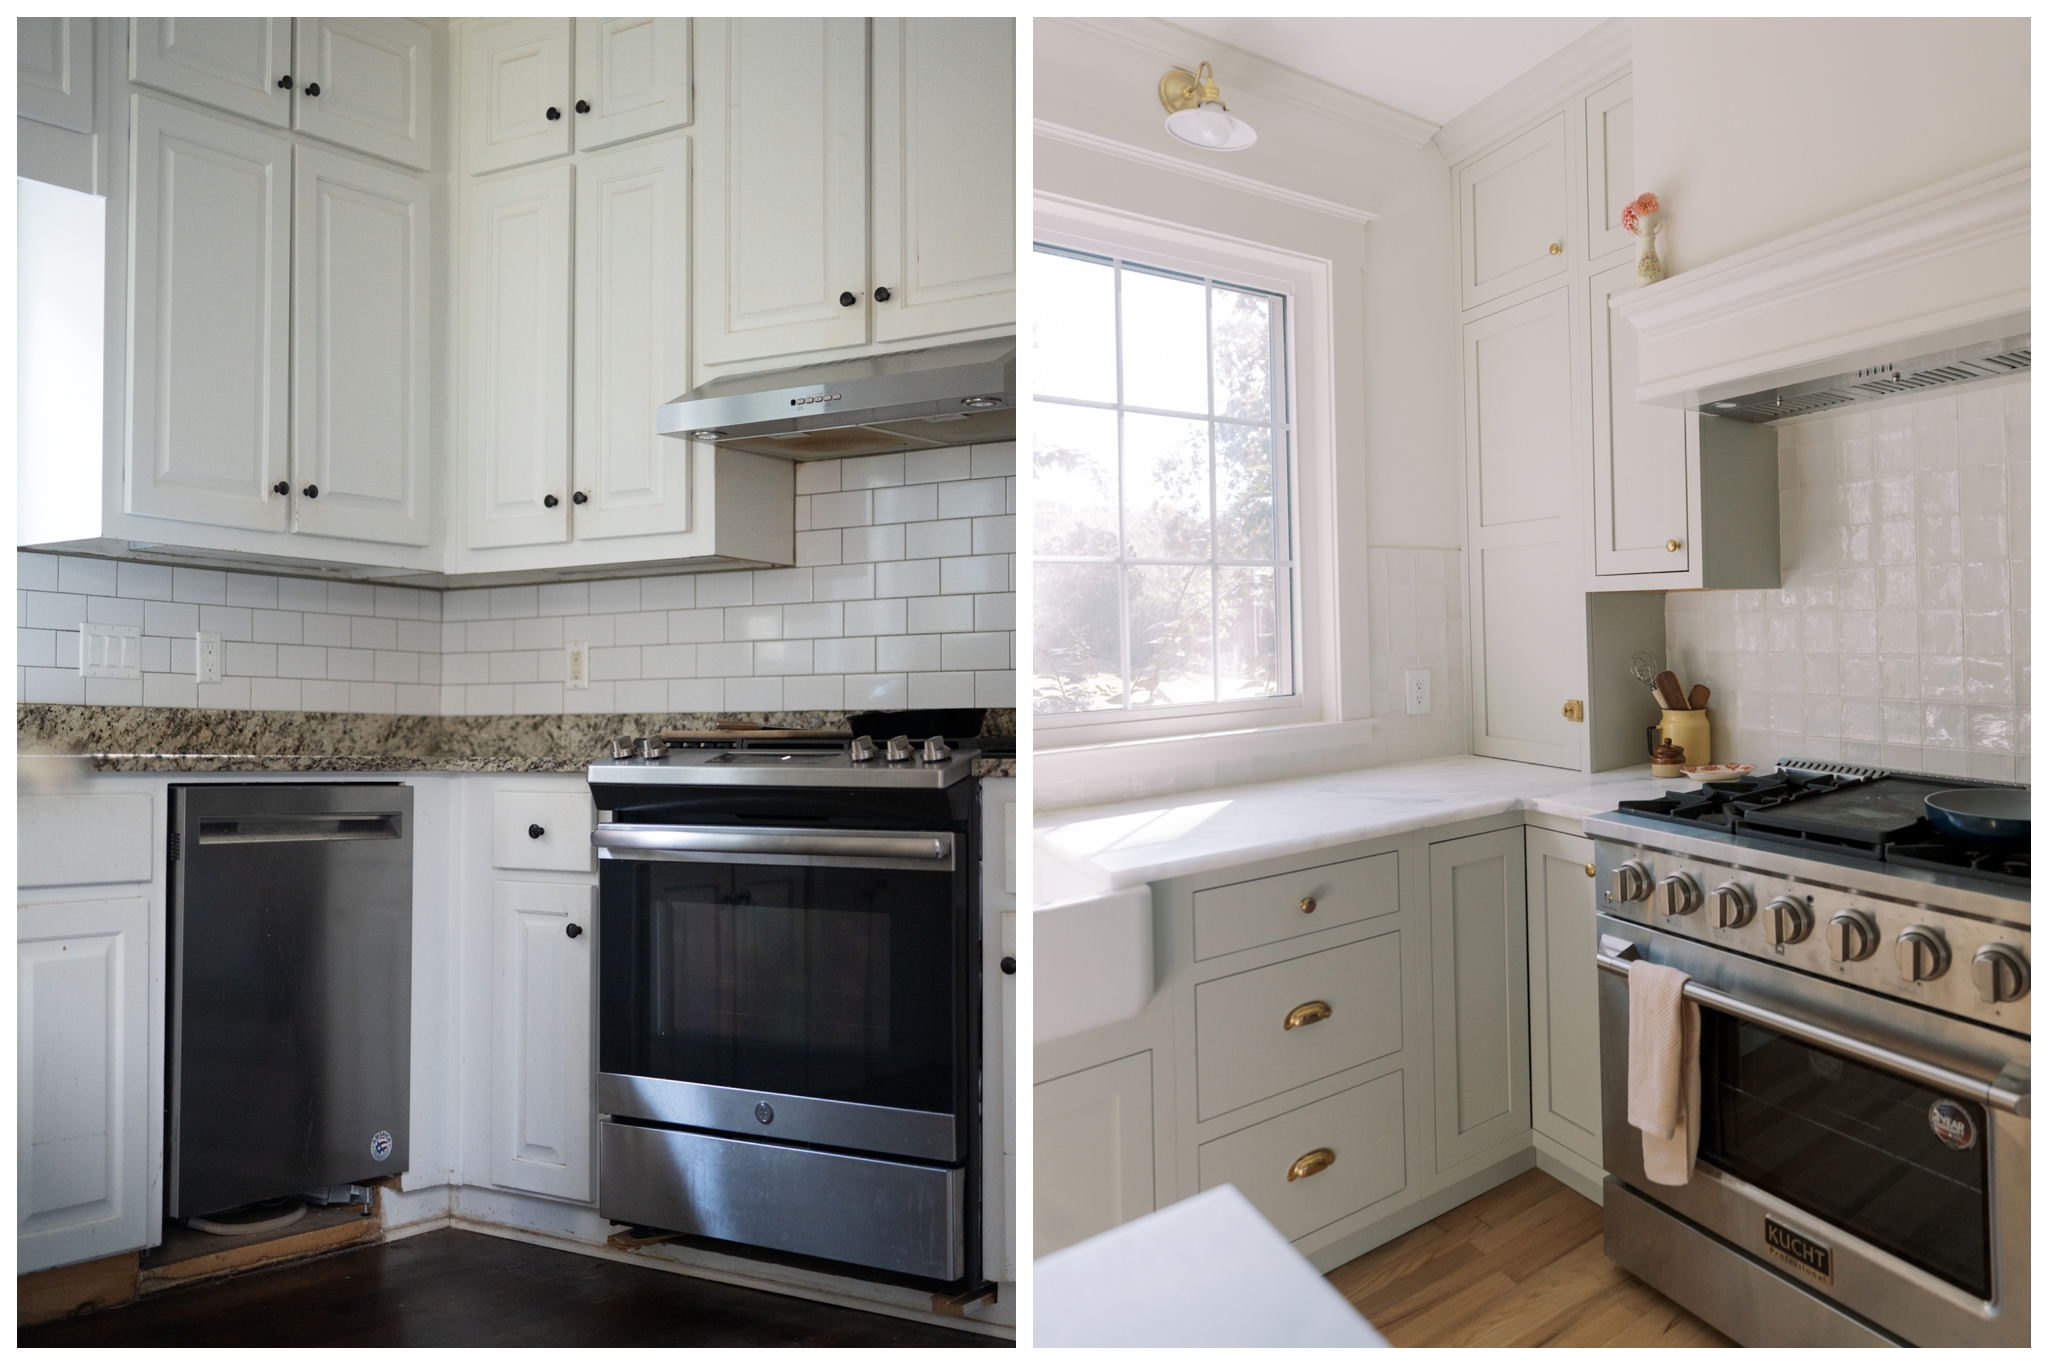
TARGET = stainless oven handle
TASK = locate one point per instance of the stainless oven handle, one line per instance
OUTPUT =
(2009, 1092)
(630, 839)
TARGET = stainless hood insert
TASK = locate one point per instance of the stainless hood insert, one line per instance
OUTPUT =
(1986, 360)
(960, 394)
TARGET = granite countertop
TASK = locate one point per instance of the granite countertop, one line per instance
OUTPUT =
(143, 739)
(1134, 842)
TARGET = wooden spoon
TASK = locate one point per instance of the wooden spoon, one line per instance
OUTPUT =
(1670, 695)
(1697, 698)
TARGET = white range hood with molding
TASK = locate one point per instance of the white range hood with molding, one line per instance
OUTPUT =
(1927, 289)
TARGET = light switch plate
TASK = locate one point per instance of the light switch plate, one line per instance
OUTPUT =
(207, 670)
(578, 675)
(106, 651)
(1418, 691)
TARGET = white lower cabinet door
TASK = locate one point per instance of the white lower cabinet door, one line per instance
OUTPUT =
(632, 338)
(209, 331)
(361, 367)
(1480, 979)
(516, 282)
(1564, 1021)
(81, 1080)
(543, 1113)
(1092, 1167)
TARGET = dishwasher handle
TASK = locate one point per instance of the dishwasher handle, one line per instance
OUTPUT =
(2011, 1091)
(719, 843)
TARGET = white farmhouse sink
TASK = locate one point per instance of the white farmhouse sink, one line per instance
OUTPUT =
(1091, 950)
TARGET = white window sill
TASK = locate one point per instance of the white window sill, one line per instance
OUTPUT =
(1090, 774)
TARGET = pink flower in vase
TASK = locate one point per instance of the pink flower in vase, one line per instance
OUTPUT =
(1641, 207)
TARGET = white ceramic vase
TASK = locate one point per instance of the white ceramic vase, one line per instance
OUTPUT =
(1649, 269)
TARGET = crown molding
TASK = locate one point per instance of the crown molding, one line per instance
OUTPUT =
(1173, 45)
(1605, 51)
(1145, 156)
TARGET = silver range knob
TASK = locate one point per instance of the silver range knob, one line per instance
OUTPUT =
(898, 750)
(653, 749)
(622, 748)
(1630, 882)
(2000, 972)
(862, 750)
(1788, 919)
(1852, 936)
(1922, 953)
(1734, 906)
(935, 750)
(1679, 894)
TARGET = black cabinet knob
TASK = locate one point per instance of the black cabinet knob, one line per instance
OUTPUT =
(1009, 966)
(553, 113)
(281, 487)
(579, 497)
(551, 501)
(847, 300)
(311, 490)
(313, 88)
(284, 82)
(582, 106)
(574, 931)
(534, 831)
(882, 294)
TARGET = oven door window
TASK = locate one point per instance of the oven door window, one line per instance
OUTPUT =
(1853, 1146)
(828, 982)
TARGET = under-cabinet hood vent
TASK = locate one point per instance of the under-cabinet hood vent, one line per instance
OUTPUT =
(2011, 355)
(960, 394)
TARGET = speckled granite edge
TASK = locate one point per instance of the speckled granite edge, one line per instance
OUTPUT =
(181, 739)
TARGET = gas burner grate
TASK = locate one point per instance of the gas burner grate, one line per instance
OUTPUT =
(2015, 868)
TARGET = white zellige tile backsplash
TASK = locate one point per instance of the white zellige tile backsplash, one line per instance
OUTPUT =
(1902, 634)
(903, 595)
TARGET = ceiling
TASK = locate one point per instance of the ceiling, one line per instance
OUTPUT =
(1434, 69)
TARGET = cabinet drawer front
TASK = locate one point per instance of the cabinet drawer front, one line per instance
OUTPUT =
(1270, 909)
(1362, 1128)
(564, 819)
(84, 840)
(1243, 1049)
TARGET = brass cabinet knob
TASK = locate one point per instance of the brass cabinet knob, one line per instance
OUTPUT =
(1672, 546)
(1308, 905)
(1574, 711)
(1557, 248)
(1314, 1012)
(1321, 1159)
(1592, 871)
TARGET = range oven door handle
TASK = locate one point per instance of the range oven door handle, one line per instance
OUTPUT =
(714, 843)
(2011, 1091)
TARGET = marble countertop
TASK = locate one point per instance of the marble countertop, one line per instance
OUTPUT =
(1134, 842)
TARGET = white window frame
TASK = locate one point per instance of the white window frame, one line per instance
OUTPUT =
(1306, 284)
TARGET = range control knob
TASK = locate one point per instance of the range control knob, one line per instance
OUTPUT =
(1631, 882)
(1788, 919)
(1679, 894)
(2000, 972)
(935, 750)
(861, 750)
(1922, 952)
(898, 749)
(1852, 936)
(1734, 906)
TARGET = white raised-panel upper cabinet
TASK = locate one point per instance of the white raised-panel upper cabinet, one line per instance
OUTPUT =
(1610, 167)
(208, 335)
(81, 1080)
(782, 200)
(944, 175)
(1527, 623)
(360, 336)
(542, 1108)
(53, 72)
(240, 65)
(1513, 215)
(1642, 455)
(632, 79)
(632, 338)
(516, 266)
(1564, 1023)
(1092, 1152)
(517, 100)
(1480, 970)
(366, 83)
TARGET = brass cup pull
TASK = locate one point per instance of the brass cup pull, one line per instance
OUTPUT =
(1592, 871)
(1314, 1012)
(1671, 546)
(1308, 905)
(1321, 1159)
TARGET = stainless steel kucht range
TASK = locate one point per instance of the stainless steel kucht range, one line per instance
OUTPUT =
(789, 998)
(1864, 991)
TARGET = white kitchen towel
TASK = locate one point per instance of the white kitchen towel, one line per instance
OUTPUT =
(1663, 1071)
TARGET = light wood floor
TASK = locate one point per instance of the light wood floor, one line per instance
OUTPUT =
(1521, 1265)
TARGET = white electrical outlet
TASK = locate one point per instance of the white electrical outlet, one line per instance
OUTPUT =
(208, 667)
(106, 651)
(1418, 691)
(579, 667)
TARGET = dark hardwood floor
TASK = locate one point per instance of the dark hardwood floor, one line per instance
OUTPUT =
(451, 1288)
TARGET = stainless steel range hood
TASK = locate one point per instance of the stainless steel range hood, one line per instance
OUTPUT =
(960, 394)
(1986, 360)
